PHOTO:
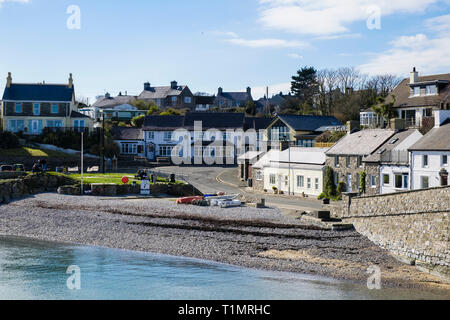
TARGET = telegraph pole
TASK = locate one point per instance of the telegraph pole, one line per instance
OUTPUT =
(82, 161)
(103, 143)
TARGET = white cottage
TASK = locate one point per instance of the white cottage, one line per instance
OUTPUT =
(430, 155)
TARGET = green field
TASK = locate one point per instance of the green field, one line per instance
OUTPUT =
(31, 152)
(115, 178)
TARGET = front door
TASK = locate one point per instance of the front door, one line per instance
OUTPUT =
(35, 127)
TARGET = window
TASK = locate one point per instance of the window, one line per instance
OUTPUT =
(347, 162)
(174, 100)
(16, 125)
(36, 109)
(416, 91)
(259, 175)
(386, 179)
(187, 100)
(424, 182)
(55, 108)
(300, 181)
(129, 148)
(151, 135)
(165, 151)
(317, 183)
(309, 183)
(359, 161)
(373, 181)
(336, 161)
(286, 180)
(431, 90)
(54, 124)
(272, 179)
(401, 181)
(78, 123)
(167, 136)
(18, 108)
(444, 160)
(425, 161)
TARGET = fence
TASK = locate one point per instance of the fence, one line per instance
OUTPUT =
(400, 157)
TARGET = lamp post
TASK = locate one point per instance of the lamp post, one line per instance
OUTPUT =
(82, 161)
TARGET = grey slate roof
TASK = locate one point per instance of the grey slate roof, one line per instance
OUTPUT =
(402, 93)
(361, 143)
(163, 123)
(205, 100)
(257, 123)
(122, 133)
(113, 101)
(39, 92)
(75, 114)
(438, 139)
(215, 120)
(235, 96)
(309, 123)
(161, 92)
(388, 146)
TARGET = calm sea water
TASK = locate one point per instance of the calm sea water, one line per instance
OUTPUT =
(37, 270)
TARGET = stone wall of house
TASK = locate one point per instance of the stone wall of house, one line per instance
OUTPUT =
(414, 225)
(372, 169)
(31, 184)
(258, 185)
(342, 170)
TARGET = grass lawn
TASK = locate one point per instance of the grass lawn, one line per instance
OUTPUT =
(30, 152)
(115, 178)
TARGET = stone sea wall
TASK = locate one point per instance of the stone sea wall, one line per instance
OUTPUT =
(31, 184)
(413, 225)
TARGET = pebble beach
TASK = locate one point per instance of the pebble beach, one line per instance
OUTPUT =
(247, 237)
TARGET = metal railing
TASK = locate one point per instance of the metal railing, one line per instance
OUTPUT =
(400, 157)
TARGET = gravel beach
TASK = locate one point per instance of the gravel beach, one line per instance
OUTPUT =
(248, 237)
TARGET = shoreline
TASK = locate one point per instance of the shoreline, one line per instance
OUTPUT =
(242, 237)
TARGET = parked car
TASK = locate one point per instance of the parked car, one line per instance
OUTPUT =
(19, 167)
(6, 168)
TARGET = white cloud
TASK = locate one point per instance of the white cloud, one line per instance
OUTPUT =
(428, 55)
(295, 56)
(329, 17)
(21, 1)
(439, 24)
(267, 43)
(260, 92)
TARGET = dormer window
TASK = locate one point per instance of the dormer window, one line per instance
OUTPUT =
(416, 91)
(431, 90)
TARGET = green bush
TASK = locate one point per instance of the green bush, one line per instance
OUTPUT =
(362, 182)
(341, 188)
(329, 186)
(8, 140)
(322, 196)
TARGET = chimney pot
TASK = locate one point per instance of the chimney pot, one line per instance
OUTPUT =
(9, 80)
(70, 81)
(414, 76)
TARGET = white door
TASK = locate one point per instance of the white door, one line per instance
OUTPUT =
(35, 126)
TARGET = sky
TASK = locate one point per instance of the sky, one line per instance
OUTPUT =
(116, 46)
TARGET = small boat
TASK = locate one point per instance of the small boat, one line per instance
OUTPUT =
(189, 200)
(229, 203)
(222, 197)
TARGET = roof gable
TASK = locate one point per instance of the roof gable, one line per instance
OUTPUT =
(361, 143)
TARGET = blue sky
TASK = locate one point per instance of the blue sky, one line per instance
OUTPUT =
(207, 44)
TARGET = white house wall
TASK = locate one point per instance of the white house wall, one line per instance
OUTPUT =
(431, 171)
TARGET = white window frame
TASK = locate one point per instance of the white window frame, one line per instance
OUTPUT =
(445, 164)
(187, 100)
(425, 161)
(300, 181)
(168, 136)
(273, 179)
(316, 183)
(373, 181)
(389, 179)
(259, 175)
(151, 135)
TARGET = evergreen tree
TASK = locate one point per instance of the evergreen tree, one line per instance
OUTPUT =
(305, 86)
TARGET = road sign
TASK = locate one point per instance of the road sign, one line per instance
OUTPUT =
(145, 187)
(125, 180)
